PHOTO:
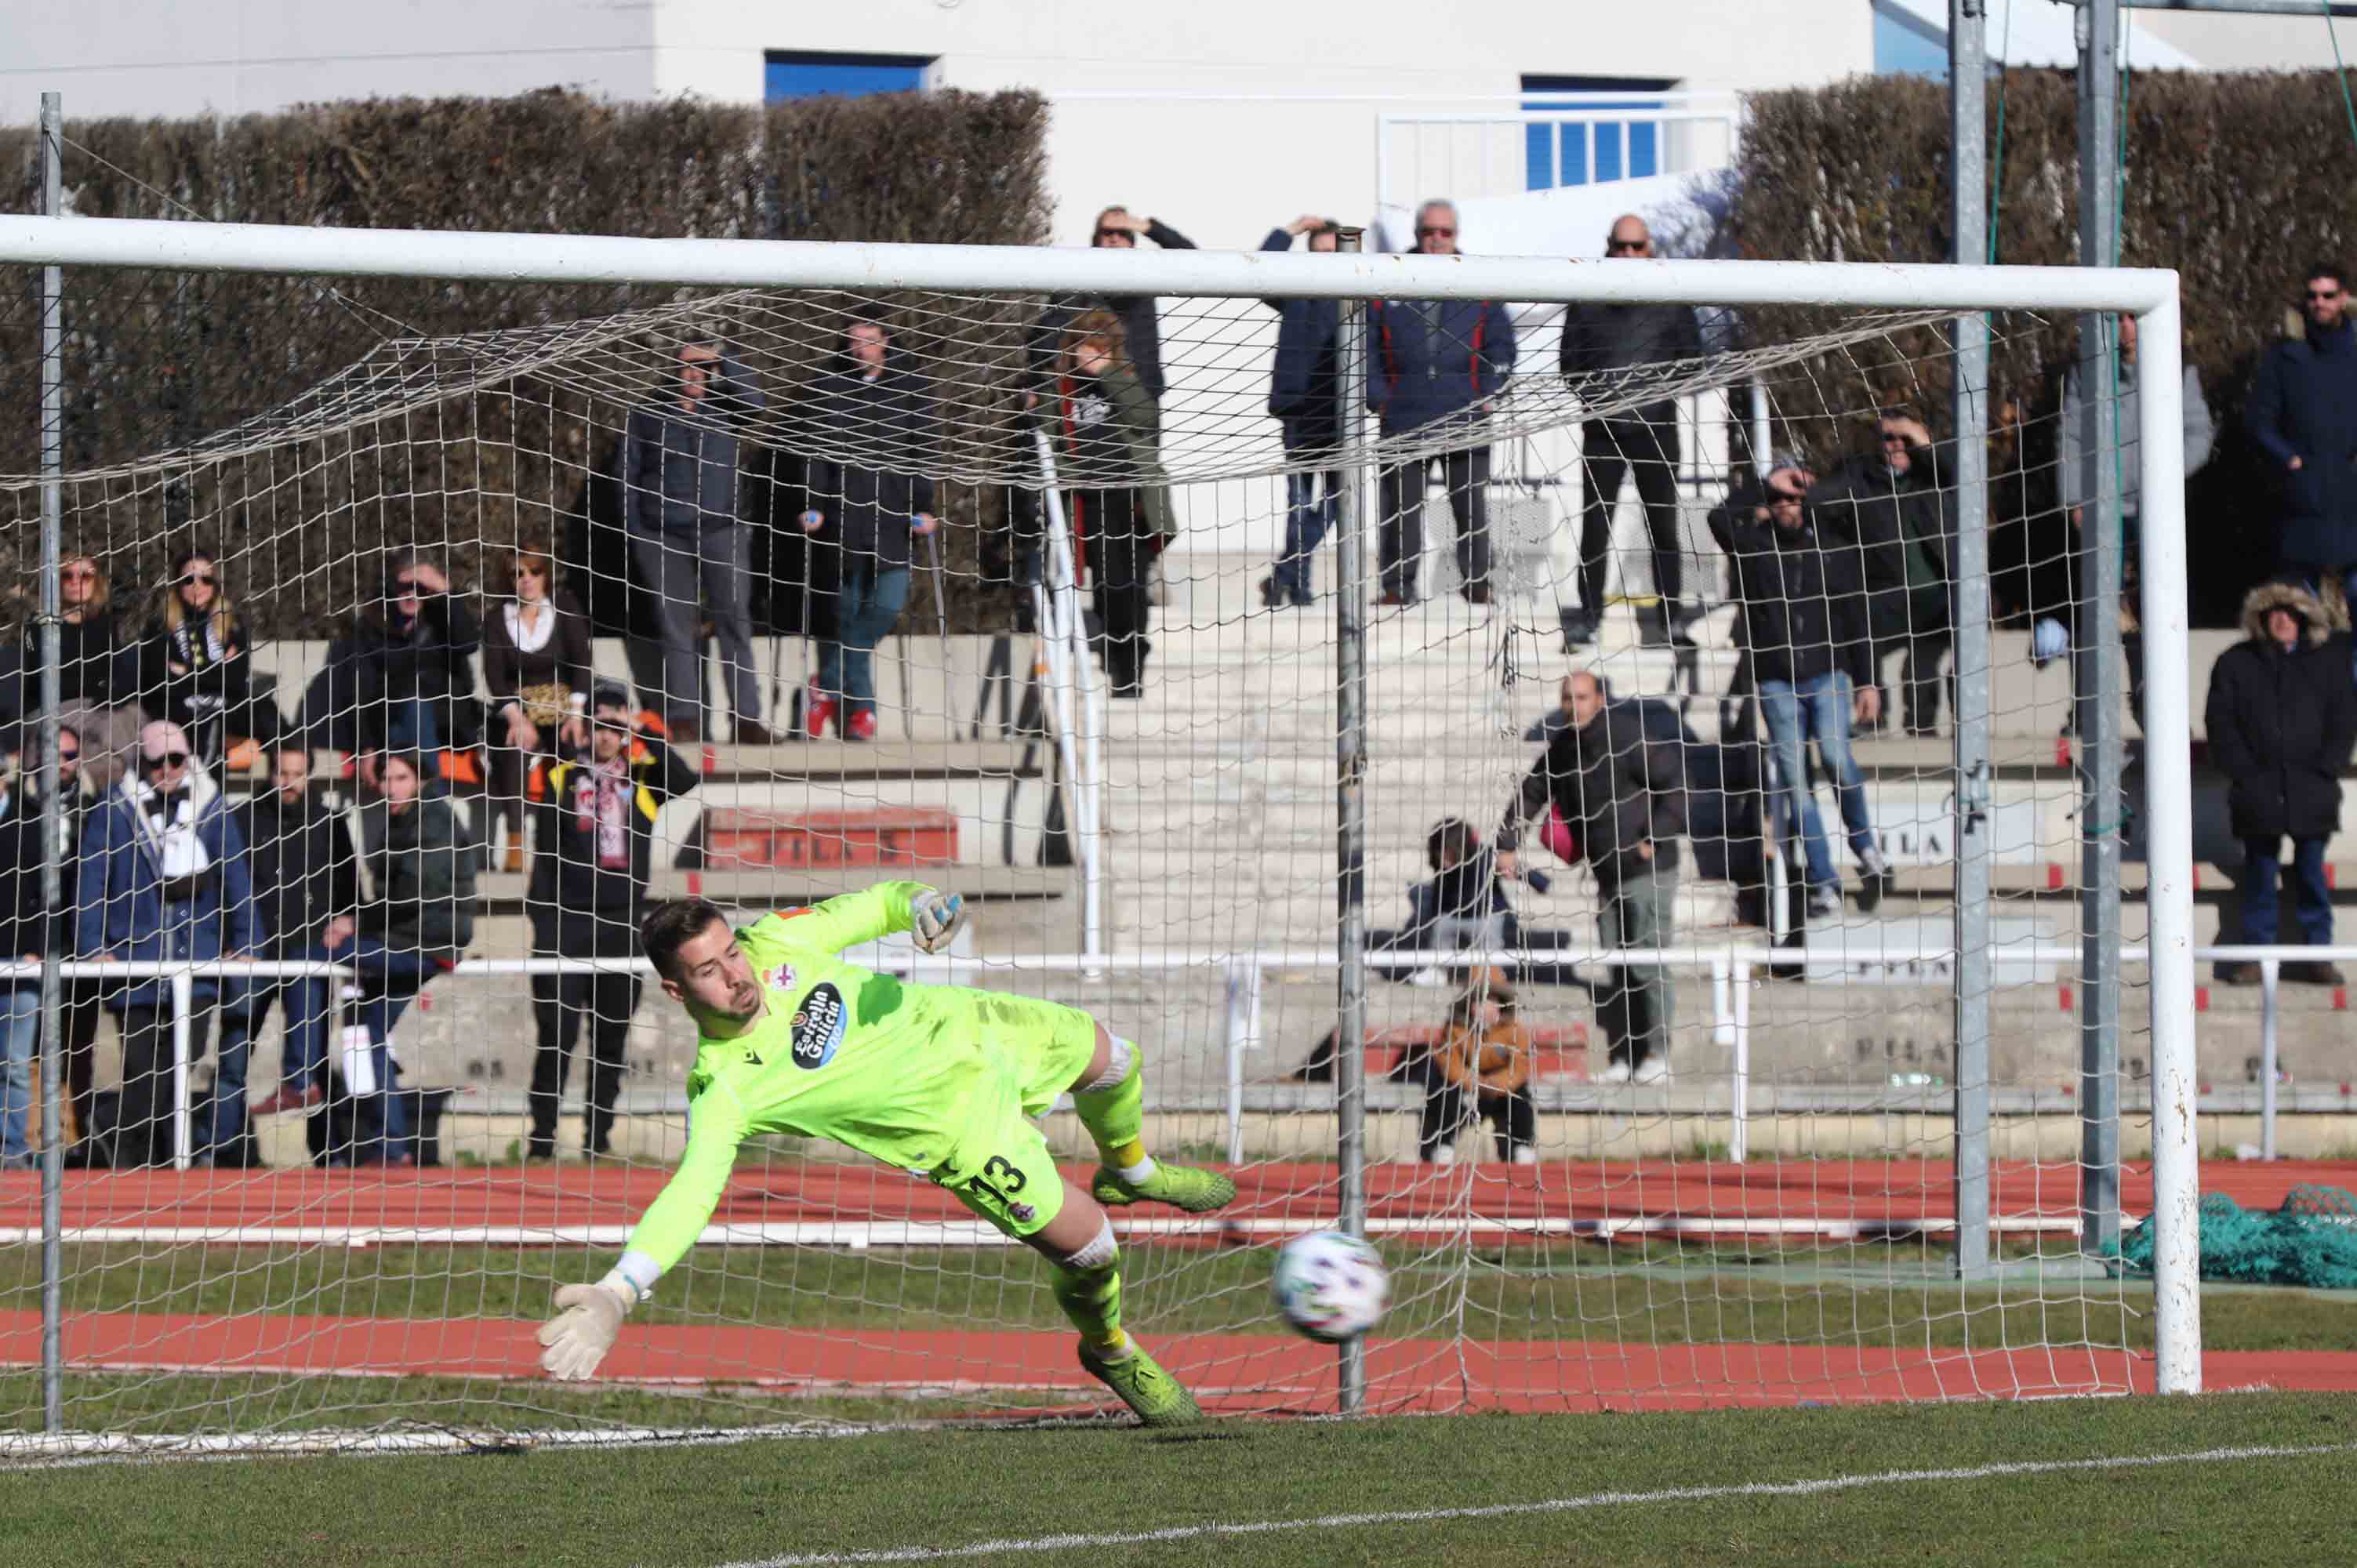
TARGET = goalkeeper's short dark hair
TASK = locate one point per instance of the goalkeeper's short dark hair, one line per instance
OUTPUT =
(671, 927)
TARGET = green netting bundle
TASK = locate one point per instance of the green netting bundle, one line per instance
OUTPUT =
(2311, 1241)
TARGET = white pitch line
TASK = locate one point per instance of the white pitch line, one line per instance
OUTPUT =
(1551, 1505)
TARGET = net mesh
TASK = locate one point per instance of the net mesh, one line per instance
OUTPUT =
(1095, 702)
(2308, 1240)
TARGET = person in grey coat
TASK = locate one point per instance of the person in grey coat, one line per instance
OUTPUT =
(681, 462)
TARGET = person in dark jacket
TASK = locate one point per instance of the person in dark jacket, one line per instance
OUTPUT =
(536, 664)
(1804, 631)
(98, 672)
(682, 462)
(304, 876)
(1622, 794)
(1438, 366)
(81, 996)
(194, 663)
(1305, 380)
(590, 873)
(2303, 414)
(1891, 509)
(24, 934)
(1601, 344)
(1118, 499)
(2281, 719)
(873, 424)
(422, 866)
(1140, 314)
(402, 677)
(164, 878)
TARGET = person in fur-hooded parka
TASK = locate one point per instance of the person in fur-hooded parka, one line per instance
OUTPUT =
(2282, 718)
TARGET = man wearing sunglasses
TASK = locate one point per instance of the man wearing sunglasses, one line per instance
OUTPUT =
(1439, 367)
(395, 680)
(2303, 414)
(1604, 347)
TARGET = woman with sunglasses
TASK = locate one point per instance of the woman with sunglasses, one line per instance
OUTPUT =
(193, 665)
(536, 663)
(97, 678)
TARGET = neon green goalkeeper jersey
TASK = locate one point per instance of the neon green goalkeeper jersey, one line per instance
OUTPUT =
(839, 1052)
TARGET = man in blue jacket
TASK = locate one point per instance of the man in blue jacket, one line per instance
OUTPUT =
(163, 878)
(1438, 367)
(2303, 414)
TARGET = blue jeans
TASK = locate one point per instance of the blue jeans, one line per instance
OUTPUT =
(20, 1036)
(866, 607)
(1818, 708)
(388, 978)
(1307, 516)
(2311, 899)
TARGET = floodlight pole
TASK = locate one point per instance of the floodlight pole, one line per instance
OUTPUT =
(1351, 806)
(53, 806)
(1974, 975)
(2096, 663)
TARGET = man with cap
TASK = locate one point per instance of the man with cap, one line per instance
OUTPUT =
(163, 878)
(590, 872)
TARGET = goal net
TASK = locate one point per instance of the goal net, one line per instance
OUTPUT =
(1658, 1113)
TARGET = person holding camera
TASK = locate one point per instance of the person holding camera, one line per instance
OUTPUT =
(591, 867)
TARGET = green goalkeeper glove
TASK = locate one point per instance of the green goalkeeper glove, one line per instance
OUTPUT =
(934, 918)
(578, 1336)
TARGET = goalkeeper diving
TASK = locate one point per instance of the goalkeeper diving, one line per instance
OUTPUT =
(940, 1081)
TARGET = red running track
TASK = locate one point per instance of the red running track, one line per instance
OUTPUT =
(555, 1204)
(1237, 1372)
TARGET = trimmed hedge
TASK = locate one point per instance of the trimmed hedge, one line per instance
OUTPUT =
(157, 361)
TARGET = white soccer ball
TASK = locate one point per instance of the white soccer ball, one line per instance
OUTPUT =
(1331, 1287)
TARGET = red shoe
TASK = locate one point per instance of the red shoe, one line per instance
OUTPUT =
(288, 1099)
(862, 726)
(816, 712)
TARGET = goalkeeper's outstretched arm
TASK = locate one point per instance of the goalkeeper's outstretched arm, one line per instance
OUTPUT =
(589, 1316)
(932, 915)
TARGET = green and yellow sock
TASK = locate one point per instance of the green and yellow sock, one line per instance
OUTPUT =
(1115, 1112)
(1090, 1297)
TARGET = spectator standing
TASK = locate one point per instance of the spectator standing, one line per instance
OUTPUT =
(681, 463)
(1888, 507)
(1116, 228)
(590, 874)
(1622, 794)
(1119, 500)
(1804, 632)
(2123, 473)
(163, 879)
(1483, 1070)
(402, 677)
(81, 1006)
(873, 404)
(1640, 443)
(24, 934)
(1305, 380)
(2303, 414)
(194, 665)
(536, 665)
(417, 927)
(2282, 716)
(304, 876)
(98, 671)
(1439, 367)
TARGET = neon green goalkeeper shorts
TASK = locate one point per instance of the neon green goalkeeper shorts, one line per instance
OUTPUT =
(999, 1166)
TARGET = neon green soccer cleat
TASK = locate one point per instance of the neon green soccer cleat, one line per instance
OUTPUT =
(1157, 1396)
(1180, 1187)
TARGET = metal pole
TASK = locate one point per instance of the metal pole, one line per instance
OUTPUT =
(2270, 1032)
(1738, 1141)
(1976, 976)
(2169, 829)
(2096, 689)
(53, 805)
(1351, 806)
(183, 1003)
(1075, 688)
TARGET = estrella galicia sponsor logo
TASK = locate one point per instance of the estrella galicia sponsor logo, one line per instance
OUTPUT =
(818, 1026)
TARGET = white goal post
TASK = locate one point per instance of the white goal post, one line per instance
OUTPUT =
(2150, 296)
